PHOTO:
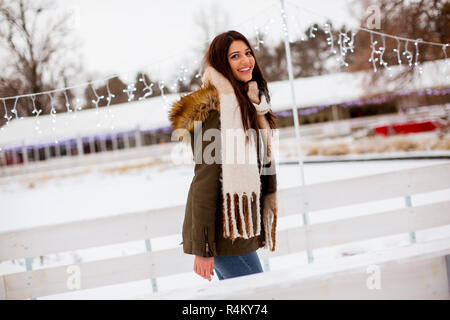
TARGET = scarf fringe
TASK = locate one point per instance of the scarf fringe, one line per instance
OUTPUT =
(238, 216)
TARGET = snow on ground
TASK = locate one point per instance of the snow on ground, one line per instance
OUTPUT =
(431, 142)
(96, 192)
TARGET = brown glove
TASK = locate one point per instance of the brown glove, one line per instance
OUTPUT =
(270, 211)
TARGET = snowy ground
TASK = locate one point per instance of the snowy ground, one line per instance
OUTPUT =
(91, 192)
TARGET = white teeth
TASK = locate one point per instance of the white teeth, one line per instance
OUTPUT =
(245, 69)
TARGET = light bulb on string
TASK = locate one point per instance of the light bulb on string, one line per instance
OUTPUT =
(284, 23)
(351, 44)
(53, 110)
(78, 106)
(312, 28)
(267, 26)
(407, 54)
(381, 51)
(96, 101)
(108, 104)
(342, 43)
(397, 50)
(8, 118)
(373, 44)
(297, 26)
(14, 109)
(330, 41)
(182, 73)
(37, 112)
(161, 86)
(130, 91)
(174, 87)
(53, 114)
(148, 89)
(257, 38)
(197, 67)
(67, 102)
(416, 62)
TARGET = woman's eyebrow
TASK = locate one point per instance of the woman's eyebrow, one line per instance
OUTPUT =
(238, 51)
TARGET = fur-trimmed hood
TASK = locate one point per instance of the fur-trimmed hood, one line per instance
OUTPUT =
(193, 107)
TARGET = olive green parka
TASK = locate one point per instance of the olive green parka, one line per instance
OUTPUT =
(202, 231)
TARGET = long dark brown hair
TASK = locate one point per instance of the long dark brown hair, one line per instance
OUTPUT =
(217, 57)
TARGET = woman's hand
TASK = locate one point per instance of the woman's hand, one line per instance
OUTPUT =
(253, 92)
(204, 267)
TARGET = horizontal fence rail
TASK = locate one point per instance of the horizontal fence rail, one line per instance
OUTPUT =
(375, 187)
(121, 228)
(415, 271)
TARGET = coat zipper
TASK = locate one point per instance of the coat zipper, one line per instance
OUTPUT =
(206, 242)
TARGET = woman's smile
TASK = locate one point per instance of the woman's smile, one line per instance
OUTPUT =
(245, 70)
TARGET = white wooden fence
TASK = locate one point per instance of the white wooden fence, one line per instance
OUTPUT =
(121, 228)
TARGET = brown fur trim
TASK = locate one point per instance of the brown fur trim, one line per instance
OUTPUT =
(194, 107)
(274, 228)
(230, 221)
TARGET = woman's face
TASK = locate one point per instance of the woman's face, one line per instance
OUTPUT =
(241, 60)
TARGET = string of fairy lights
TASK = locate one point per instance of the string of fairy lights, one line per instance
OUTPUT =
(130, 89)
(339, 46)
(345, 43)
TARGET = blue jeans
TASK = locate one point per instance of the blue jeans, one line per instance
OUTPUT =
(235, 266)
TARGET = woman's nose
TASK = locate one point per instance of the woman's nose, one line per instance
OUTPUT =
(245, 61)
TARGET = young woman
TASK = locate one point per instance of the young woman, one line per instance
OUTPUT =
(231, 208)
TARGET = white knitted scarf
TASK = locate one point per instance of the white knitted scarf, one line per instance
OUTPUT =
(241, 184)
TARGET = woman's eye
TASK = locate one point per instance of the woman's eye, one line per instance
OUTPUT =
(248, 53)
(234, 56)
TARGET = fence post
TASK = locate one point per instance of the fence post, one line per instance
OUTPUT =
(29, 267)
(148, 246)
(447, 264)
(266, 264)
(80, 145)
(138, 136)
(24, 153)
(412, 234)
(2, 288)
(294, 109)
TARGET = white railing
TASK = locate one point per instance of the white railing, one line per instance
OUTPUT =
(81, 161)
(39, 241)
(417, 271)
(314, 130)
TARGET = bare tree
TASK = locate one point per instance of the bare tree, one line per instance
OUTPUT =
(39, 52)
(210, 21)
(426, 20)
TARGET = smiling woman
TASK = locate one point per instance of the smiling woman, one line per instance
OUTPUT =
(231, 209)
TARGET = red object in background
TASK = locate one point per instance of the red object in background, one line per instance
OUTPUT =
(408, 127)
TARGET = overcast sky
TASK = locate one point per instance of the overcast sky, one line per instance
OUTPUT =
(158, 36)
